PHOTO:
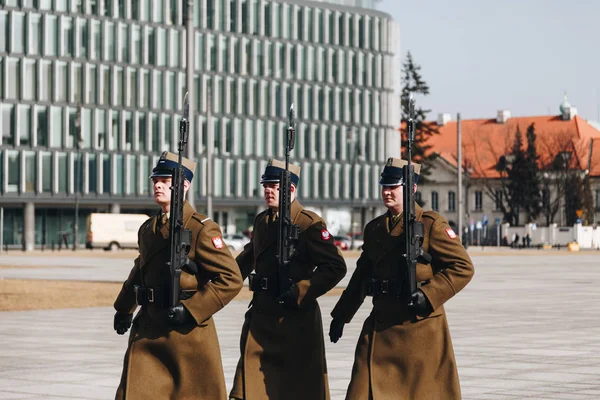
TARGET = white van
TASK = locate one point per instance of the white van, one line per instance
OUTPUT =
(113, 231)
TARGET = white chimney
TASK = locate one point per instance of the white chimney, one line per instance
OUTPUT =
(569, 113)
(444, 118)
(502, 116)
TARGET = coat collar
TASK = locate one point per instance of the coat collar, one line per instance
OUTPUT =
(387, 240)
(267, 232)
(398, 229)
(157, 240)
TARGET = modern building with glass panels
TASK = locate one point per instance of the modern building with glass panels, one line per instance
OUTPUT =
(91, 93)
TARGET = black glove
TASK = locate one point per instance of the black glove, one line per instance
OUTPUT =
(190, 267)
(419, 304)
(335, 330)
(179, 315)
(289, 298)
(122, 322)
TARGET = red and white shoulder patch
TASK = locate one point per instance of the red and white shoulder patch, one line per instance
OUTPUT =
(218, 242)
(325, 234)
(451, 233)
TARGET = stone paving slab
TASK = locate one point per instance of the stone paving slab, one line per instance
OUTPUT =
(525, 328)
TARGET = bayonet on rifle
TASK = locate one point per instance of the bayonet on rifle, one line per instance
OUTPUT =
(413, 229)
(287, 234)
(179, 238)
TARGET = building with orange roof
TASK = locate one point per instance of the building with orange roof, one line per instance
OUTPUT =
(485, 141)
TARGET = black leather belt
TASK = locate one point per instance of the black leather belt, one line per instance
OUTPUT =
(146, 295)
(260, 283)
(390, 287)
(158, 296)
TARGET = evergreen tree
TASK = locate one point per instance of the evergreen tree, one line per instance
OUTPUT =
(516, 167)
(413, 83)
(532, 198)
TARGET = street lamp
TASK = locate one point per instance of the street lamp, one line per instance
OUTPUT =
(353, 141)
(77, 176)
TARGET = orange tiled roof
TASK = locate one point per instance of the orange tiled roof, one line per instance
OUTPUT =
(594, 166)
(485, 140)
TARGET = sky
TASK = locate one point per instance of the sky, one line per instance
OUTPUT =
(481, 56)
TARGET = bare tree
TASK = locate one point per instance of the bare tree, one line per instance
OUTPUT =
(484, 164)
(562, 168)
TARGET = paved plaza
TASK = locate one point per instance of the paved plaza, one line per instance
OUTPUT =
(527, 327)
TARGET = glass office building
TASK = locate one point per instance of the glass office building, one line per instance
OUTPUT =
(91, 93)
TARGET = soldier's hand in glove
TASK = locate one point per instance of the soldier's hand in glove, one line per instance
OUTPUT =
(191, 267)
(289, 298)
(335, 330)
(178, 315)
(420, 304)
(122, 322)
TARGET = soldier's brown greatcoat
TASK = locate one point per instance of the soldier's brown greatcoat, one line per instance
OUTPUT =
(398, 357)
(177, 362)
(282, 351)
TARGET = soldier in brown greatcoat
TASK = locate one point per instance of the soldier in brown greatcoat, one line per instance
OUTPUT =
(175, 358)
(282, 347)
(402, 352)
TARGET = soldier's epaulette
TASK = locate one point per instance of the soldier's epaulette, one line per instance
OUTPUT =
(201, 218)
(431, 215)
(147, 223)
(313, 216)
(372, 225)
(261, 214)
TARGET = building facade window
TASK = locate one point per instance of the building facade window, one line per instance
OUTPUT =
(498, 199)
(451, 201)
(47, 171)
(434, 201)
(478, 200)
(14, 177)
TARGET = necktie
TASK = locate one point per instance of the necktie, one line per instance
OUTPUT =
(163, 220)
(394, 220)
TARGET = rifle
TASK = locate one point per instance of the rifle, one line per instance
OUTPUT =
(287, 233)
(413, 229)
(179, 238)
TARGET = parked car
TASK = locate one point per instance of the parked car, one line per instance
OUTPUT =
(342, 242)
(235, 241)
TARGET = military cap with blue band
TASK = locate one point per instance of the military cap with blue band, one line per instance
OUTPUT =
(393, 175)
(169, 161)
(273, 172)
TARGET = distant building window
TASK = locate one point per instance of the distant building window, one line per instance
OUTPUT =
(478, 200)
(8, 124)
(498, 198)
(451, 201)
(434, 201)
(418, 197)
